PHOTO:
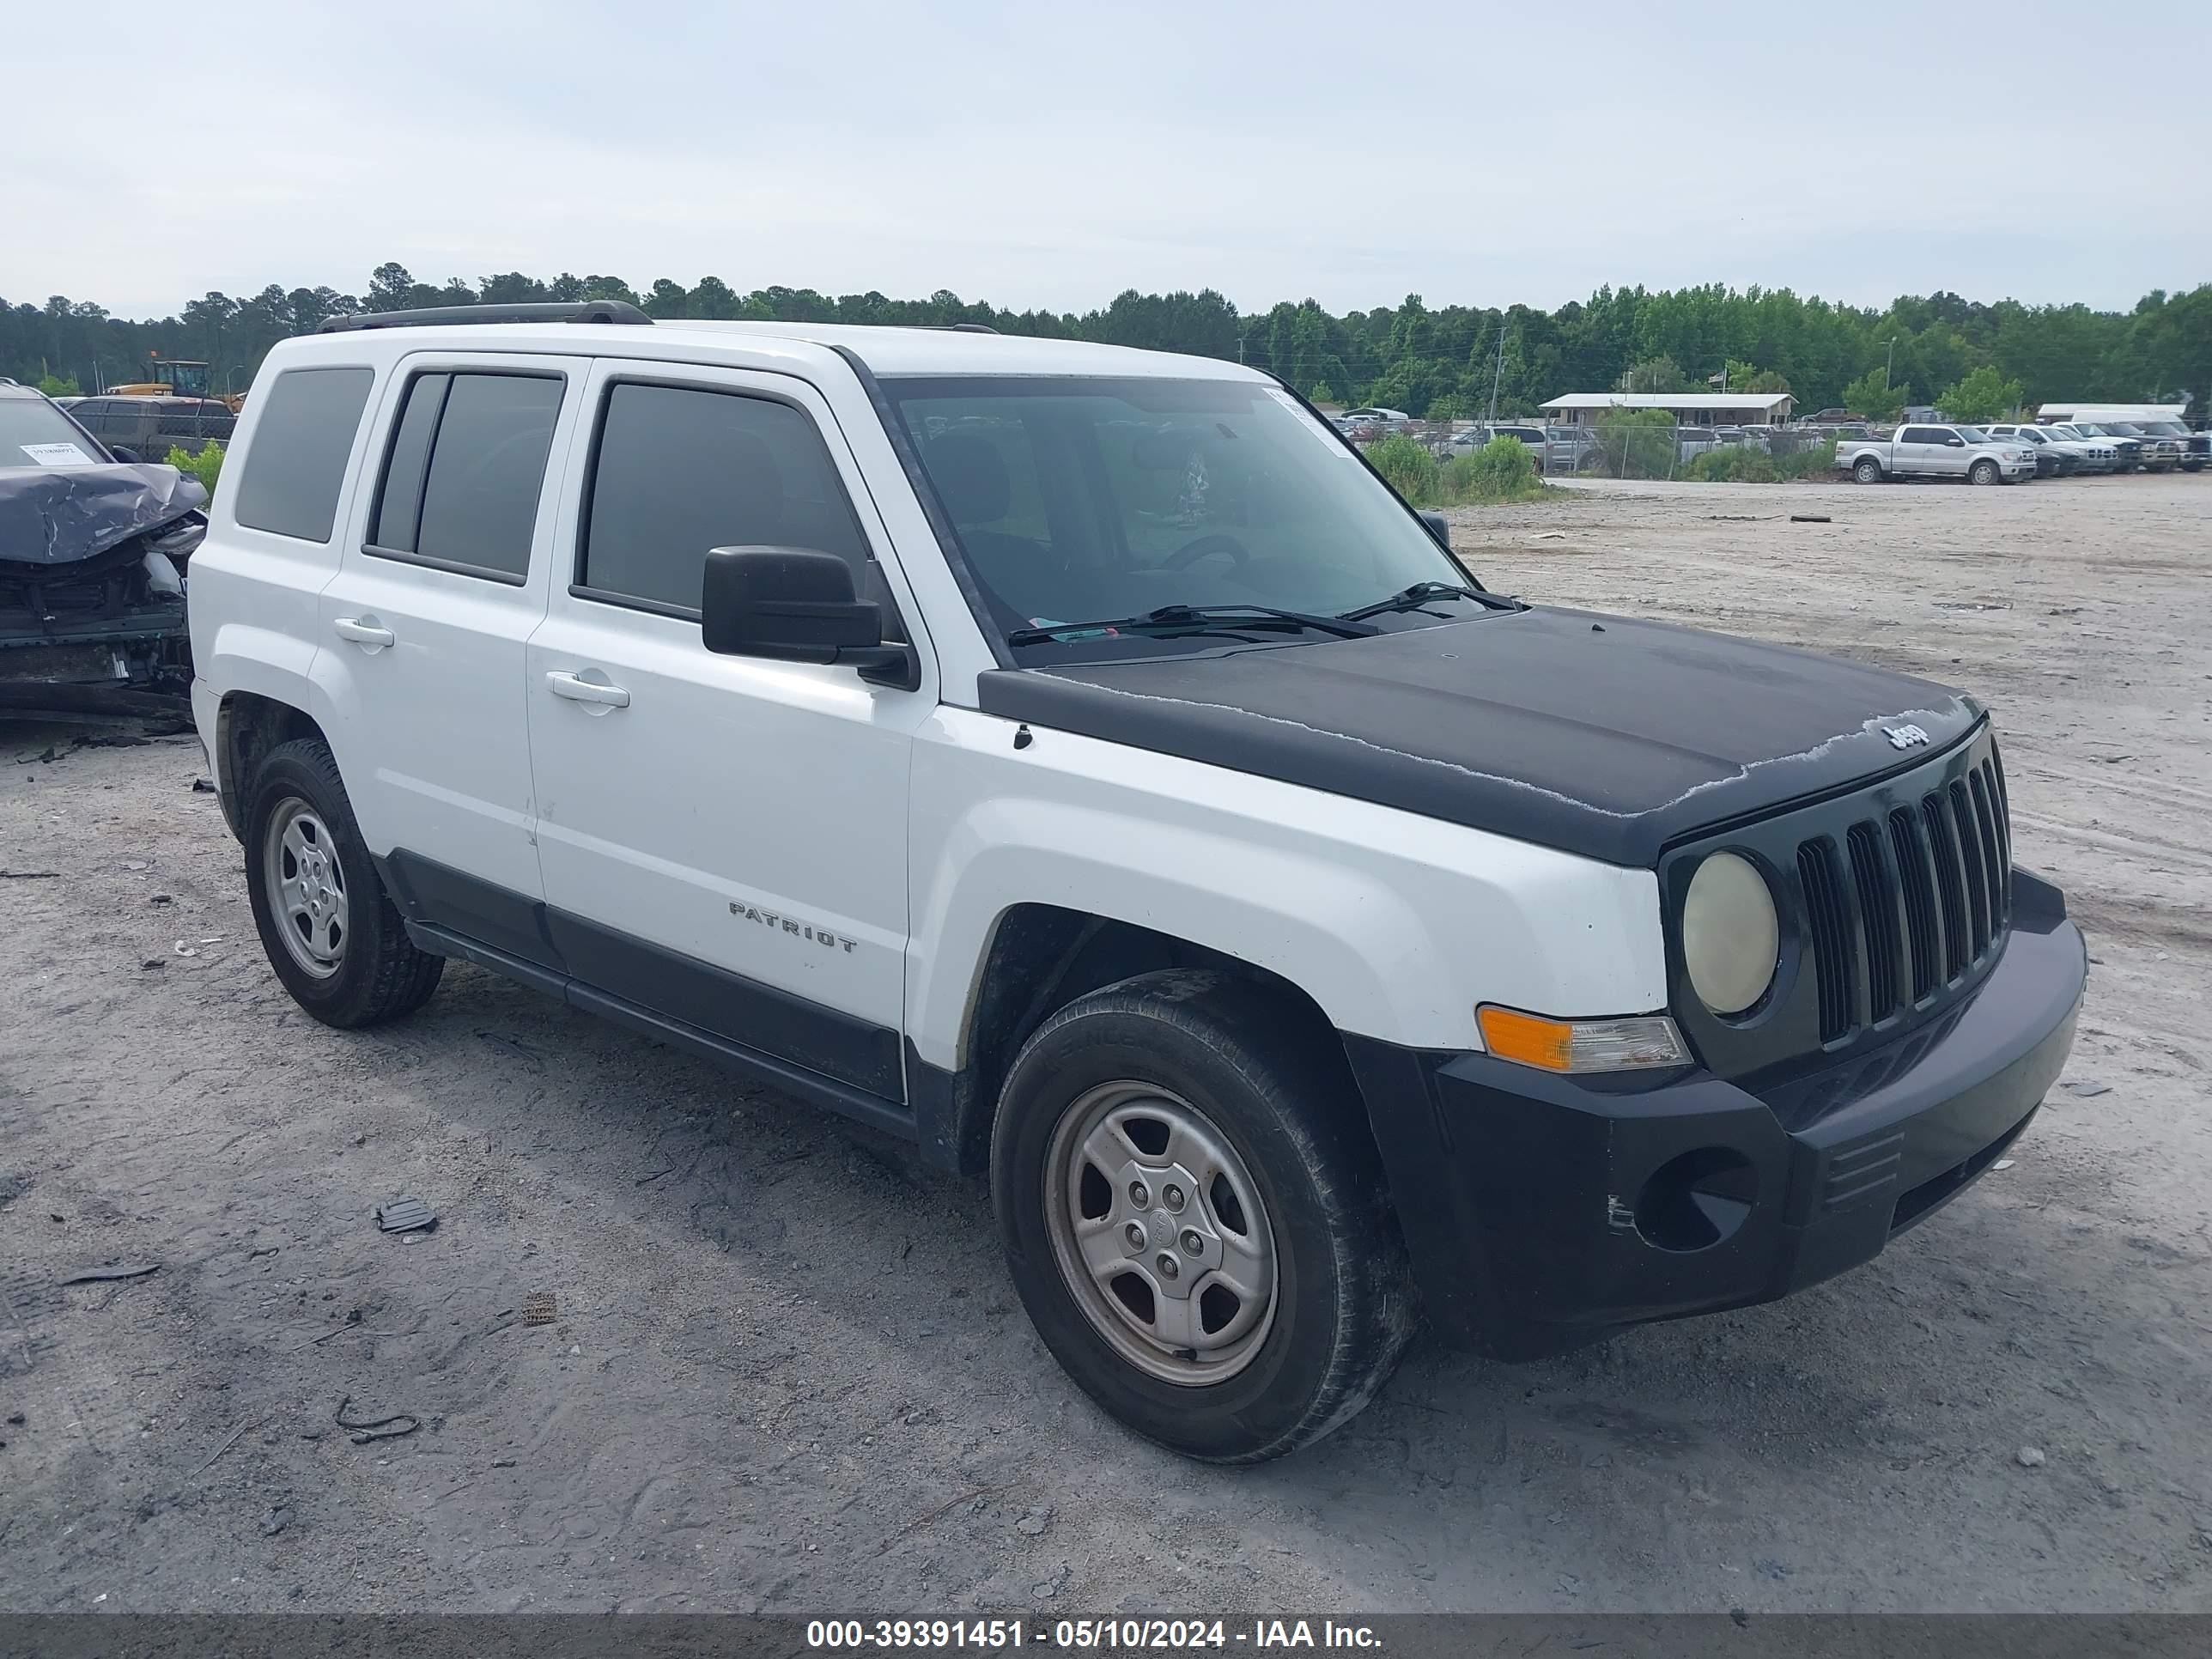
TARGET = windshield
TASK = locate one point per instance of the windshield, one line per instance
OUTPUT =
(29, 424)
(1088, 499)
(2166, 428)
(2125, 428)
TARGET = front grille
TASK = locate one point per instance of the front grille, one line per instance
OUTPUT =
(1927, 903)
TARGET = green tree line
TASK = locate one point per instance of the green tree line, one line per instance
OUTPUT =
(1432, 362)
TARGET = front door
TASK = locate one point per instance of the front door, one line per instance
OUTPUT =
(442, 582)
(723, 839)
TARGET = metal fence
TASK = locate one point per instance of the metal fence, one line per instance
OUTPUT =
(1636, 448)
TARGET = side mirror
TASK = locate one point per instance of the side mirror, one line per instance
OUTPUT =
(1955, 442)
(797, 605)
(123, 453)
(1440, 527)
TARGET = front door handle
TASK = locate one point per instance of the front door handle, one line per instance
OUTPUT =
(577, 688)
(364, 631)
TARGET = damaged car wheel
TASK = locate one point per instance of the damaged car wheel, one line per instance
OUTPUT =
(329, 930)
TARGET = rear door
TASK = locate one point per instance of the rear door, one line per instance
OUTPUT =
(723, 838)
(443, 579)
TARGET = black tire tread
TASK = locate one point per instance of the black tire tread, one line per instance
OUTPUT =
(401, 978)
(1378, 1312)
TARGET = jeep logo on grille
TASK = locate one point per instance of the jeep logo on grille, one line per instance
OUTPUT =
(1905, 737)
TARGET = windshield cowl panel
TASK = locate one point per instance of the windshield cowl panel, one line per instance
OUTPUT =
(1075, 498)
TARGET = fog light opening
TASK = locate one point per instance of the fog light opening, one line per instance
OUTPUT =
(1697, 1200)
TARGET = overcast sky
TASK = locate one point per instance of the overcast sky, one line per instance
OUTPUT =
(1052, 154)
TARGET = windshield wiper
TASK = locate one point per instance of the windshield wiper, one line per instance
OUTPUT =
(1192, 617)
(1421, 593)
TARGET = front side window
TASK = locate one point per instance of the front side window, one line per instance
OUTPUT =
(681, 470)
(464, 471)
(1082, 498)
(289, 485)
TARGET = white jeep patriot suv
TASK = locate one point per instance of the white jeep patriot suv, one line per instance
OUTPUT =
(1075, 761)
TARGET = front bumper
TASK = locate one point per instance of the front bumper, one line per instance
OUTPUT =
(1543, 1213)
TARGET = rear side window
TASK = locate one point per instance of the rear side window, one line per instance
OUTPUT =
(290, 484)
(464, 471)
(1925, 434)
(681, 470)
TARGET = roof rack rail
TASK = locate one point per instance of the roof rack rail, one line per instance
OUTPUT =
(567, 311)
(957, 328)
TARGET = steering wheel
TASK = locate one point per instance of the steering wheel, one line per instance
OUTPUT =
(1191, 552)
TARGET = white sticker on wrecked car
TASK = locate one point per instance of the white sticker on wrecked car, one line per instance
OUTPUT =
(56, 455)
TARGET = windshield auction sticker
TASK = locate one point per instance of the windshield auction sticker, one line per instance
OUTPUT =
(56, 455)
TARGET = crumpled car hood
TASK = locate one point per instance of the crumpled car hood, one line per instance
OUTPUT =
(63, 514)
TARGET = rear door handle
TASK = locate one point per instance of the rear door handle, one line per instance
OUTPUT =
(577, 688)
(364, 631)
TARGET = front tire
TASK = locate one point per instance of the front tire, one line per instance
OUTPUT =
(1195, 1218)
(1867, 472)
(1982, 473)
(329, 930)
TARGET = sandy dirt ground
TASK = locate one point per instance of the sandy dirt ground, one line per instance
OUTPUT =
(787, 1372)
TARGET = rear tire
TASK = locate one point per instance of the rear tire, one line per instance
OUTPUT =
(1867, 472)
(1240, 1160)
(330, 931)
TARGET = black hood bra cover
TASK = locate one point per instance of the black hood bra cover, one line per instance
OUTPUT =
(61, 515)
(1600, 736)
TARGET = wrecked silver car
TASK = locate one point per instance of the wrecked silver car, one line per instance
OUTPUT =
(94, 551)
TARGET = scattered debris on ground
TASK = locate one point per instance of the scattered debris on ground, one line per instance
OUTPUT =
(375, 1428)
(107, 1275)
(405, 1215)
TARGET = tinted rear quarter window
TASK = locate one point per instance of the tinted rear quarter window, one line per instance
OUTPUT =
(464, 471)
(290, 484)
(681, 470)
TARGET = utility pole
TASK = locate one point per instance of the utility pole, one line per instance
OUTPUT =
(1889, 363)
(1499, 373)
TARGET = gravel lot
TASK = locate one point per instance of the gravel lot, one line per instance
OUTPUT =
(787, 1372)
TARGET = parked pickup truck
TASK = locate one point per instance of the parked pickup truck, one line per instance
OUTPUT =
(1077, 764)
(1935, 452)
(2071, 455)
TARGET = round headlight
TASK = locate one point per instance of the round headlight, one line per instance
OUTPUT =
(1730, 939)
